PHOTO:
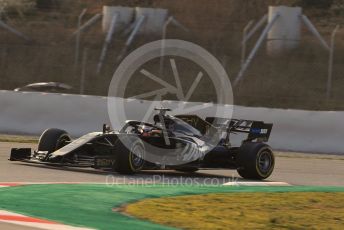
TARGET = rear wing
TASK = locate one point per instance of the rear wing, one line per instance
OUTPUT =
(255, 129)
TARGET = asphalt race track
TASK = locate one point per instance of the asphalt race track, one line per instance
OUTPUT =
(292, 168)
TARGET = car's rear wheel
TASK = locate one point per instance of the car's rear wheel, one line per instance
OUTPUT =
(129, 161)
(52, 140)
(255, 161)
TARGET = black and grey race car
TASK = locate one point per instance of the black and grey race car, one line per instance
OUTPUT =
(182, 142)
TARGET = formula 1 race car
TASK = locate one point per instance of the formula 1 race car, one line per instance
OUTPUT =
(184, 143)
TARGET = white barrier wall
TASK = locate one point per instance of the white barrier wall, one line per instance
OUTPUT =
(295, 130)
(32, 113)
(299, 130)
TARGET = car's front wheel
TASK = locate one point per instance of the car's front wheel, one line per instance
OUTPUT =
(52, 140)
(129, 161)
(255, 161)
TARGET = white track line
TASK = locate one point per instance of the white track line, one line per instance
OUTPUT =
(6, 184)
(246, 183)
(256, 183)
(18, 219)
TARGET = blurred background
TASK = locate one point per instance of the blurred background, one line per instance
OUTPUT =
(43, 48)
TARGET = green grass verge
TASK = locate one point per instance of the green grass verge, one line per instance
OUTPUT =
(91, 205)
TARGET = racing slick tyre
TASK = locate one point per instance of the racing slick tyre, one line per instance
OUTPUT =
(52, 140)
(129, 161)
(255, 161)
